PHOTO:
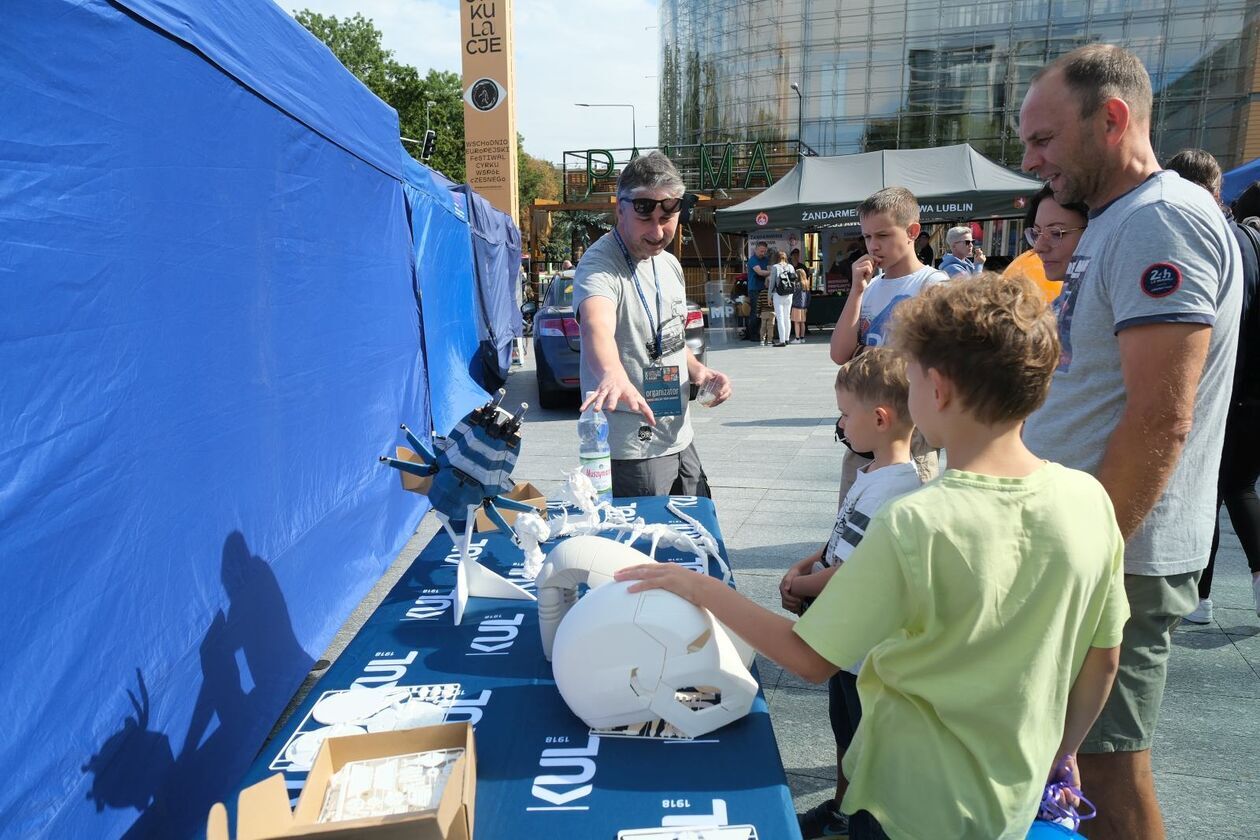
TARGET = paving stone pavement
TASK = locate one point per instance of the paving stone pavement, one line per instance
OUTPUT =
(774, 467)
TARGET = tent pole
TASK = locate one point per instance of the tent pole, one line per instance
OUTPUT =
(717, 235)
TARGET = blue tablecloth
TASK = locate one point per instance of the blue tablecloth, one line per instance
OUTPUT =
(541, 773)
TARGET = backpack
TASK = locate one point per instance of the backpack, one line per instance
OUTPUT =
(1246, 384)
(786, 282)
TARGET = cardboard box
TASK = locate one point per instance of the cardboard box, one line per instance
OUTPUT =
(413, 483)
(263, 813)
(522, 492)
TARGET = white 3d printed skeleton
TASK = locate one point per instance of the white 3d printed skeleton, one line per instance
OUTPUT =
(578, 492)
(620, 658)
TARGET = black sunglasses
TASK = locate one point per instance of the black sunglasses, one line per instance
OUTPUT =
(646, 206)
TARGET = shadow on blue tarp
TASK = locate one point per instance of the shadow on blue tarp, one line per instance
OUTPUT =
(242, 653)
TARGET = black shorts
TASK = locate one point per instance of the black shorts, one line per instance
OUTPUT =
(843, 707)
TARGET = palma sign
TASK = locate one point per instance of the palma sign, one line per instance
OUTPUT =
(705, 167)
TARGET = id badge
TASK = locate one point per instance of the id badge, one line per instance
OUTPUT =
(662, 388)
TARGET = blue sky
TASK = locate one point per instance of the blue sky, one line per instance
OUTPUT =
(566, 51)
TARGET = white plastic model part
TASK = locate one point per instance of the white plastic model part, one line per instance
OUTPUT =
(531, 530)
(619, 658)
(578, 560)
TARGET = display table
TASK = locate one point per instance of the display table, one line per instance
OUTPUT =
(542, 774)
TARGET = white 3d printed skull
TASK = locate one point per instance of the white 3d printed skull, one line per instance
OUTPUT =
(619, 658)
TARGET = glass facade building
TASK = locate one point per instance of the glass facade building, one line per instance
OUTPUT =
(881, 74)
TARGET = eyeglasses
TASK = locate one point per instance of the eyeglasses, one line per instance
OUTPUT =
(966, 242)
(646, 206)
(1056, 235)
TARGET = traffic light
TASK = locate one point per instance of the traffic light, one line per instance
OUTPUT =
(430, 142)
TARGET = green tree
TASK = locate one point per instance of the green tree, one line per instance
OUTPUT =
(356, 42)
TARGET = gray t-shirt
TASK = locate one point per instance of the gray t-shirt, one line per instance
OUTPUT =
(603, 272)
(1160, 253)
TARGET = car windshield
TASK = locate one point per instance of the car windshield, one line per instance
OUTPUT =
(560, 294)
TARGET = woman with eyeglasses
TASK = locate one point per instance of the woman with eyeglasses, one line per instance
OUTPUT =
(1053, 230)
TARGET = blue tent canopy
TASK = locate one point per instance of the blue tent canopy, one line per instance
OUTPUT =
(224, 287)
(1236, 180)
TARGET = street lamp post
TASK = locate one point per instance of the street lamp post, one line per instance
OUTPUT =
(634, 143)
(800, 120)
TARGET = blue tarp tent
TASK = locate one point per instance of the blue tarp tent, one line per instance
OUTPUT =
(496, 253)
(443, 256)
(209, 259)
(1236, 180)
(497, 262)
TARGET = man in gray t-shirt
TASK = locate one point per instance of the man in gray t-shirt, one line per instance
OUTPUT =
(1159, 254)
(630, 298)
(1148, 321)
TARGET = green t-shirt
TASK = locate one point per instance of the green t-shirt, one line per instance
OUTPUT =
(978, 598)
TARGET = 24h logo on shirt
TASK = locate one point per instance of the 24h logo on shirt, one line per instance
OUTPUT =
(1161, 280)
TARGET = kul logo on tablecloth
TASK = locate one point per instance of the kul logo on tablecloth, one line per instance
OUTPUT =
(429, 606)
(386, 668)
(496, 635)
(561, 791)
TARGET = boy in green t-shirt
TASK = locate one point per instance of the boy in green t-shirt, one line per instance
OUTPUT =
(991, 600)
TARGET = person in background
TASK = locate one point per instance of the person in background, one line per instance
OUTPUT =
(800, 311)
(758, 276)
(782, 277)
(963, 257)
(923, 248)
(1240, 455)
(803, 273)
(766, 318)
(1148, 324)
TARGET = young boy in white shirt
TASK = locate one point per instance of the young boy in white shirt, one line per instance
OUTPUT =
(888, 275)
(871, 393)
(991, 600)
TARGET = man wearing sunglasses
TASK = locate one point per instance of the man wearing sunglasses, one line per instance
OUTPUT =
(964, 257)
(631, 301)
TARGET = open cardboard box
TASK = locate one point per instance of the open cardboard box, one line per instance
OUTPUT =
(414, 483)
(262, 811)
(522, 492)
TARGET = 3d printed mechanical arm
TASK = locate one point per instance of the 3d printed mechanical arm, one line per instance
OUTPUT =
(589, 560)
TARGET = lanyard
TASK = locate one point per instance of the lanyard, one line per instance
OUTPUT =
(634, 274)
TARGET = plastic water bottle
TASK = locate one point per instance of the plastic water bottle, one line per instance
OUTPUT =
(594, 452)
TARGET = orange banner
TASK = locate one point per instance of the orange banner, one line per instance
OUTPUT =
(490, 101)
